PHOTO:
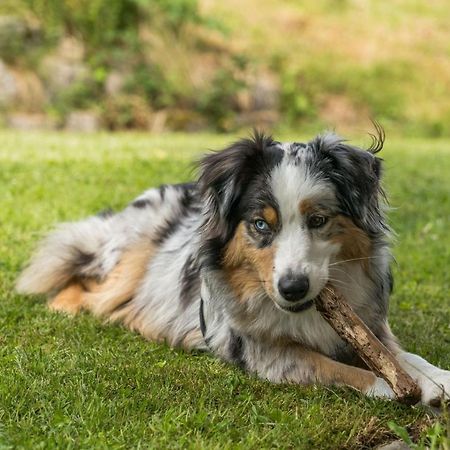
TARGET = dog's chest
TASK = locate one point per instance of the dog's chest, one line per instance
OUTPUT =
(310, 329)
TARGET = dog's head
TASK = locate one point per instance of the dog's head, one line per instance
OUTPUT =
(278, 214)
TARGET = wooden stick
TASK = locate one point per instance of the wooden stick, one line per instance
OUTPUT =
(338, 313)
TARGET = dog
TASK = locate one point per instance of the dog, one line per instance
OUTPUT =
(232, 263)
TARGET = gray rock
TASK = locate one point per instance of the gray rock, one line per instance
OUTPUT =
(265, 93)
(396, 445)
(61, 74)
(83, 121)
(8, 86)
(114, 83)
(65, 66)
(28, 122)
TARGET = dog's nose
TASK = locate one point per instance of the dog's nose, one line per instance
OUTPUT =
(293, 288)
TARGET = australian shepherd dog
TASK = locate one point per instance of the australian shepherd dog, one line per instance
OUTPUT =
(232, 263)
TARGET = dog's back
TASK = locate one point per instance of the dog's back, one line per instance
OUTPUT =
(138, 266)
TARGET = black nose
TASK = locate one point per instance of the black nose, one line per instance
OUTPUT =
(293, 288)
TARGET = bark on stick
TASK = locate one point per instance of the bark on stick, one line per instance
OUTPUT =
(338, 313)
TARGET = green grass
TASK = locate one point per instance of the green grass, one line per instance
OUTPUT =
(76, 383)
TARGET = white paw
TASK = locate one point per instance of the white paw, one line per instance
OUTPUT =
(380, 389)
(435, 387)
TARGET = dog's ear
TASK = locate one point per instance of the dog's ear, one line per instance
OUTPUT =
(224, 179)
(356, 175)
(224, 175)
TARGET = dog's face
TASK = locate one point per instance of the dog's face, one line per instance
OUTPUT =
(279, 215)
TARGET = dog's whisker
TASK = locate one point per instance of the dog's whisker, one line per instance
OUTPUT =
(340, 269)
(353, 259)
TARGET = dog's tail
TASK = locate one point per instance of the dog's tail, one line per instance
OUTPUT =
(72, 250)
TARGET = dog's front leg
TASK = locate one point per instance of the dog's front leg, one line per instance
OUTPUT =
(295, 364)
(434, 382)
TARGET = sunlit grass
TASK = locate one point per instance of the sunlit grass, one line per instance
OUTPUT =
(74, 382)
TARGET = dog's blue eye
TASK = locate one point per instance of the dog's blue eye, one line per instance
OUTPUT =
(261, 225)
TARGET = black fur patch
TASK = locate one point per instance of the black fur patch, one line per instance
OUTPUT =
(190, 282)
(142, 203)
(162, 191)
(390, 278)
(236, 349)
(105, 213)
(122, 306)
(82, 259)
(188, 204)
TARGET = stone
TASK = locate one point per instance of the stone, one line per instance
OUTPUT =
(83, 121)
(264, 92)
(115, 81)
(396, 445)
(65, 66)
(30, 95)
(28, 122)
(71, 49)
(8, 86)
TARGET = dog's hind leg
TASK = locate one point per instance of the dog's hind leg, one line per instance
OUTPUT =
(108, 297)
(70, 300)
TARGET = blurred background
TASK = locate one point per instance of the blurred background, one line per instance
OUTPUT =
(191, 65)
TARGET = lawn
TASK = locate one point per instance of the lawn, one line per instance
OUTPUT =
(77, 383)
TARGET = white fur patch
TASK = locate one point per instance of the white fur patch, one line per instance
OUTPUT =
(298, 251)
(434, 382)
(380, 389)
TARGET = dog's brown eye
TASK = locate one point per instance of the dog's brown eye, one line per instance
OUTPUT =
(317, 221)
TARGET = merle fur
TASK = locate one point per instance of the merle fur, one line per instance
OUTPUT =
(190, 281)
(188, 205)
(224, 180)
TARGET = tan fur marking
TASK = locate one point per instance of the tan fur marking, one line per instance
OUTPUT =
(326, 371)
(270, 216)
(354, 242)
(306, 207)
(193, 339)
(103, 298)
(248, 268)
(70, 300)
(330, 372)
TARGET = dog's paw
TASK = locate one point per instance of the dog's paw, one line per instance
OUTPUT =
(435, 387)
(380, 389)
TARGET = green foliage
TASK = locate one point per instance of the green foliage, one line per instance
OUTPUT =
(298, 94)
(436, 437)
(79, 95)
(102, 24)
(97, 22)
(176, 13)
(149, 81)
(304, 88)
(218, 103)
(126, 112)
(330, 49)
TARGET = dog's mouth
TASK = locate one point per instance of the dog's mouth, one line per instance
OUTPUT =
(299, 307)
